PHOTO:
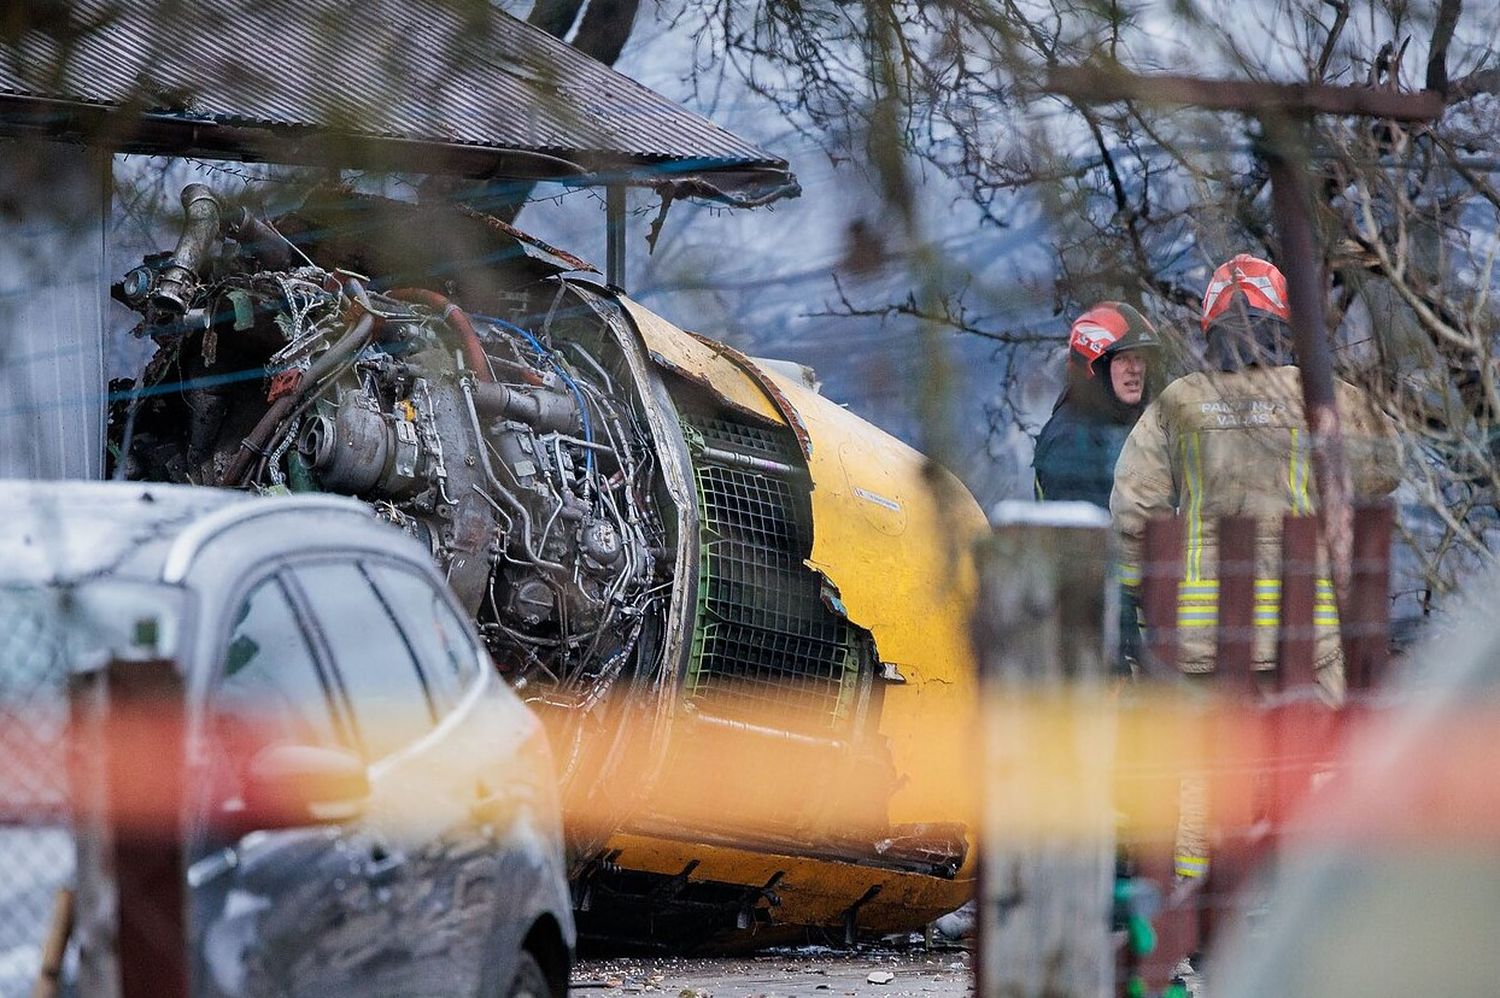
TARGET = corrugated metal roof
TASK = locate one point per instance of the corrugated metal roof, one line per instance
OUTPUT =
(455, 72)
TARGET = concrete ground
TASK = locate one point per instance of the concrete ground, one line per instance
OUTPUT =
(810, 971)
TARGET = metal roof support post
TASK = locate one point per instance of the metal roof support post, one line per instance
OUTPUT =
(614, 233)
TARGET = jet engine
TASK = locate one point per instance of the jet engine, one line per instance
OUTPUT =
(740, 608)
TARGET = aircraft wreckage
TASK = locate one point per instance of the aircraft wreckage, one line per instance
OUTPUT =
(740, 608)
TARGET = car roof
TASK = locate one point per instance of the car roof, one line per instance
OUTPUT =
(69, 531)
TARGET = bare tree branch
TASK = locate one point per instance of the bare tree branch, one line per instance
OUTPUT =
(1335, 31)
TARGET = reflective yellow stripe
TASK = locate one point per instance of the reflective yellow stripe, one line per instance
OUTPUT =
(1212, 585)
(1306, 499)
(1190, 866)
(1192, 466)
(1291, 471)
(1130, 575)
(1198, 603)
(1297, 475)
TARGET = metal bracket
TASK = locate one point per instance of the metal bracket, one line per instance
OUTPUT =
(851, 914)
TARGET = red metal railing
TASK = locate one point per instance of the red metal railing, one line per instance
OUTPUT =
(1287, 732)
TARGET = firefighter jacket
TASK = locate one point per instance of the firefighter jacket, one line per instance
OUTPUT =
(1236, 443)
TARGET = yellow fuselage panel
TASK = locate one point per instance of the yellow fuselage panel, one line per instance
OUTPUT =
(811, 891)
(894, 538)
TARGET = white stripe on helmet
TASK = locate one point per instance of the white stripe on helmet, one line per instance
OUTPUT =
(1093, 336)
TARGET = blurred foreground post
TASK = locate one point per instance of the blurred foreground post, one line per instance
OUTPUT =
(127, 770)
(1044, 631)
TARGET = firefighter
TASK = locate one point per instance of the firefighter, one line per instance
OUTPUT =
(1109, 352)
(1233, 440)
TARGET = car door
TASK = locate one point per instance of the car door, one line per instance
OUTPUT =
(268, 906)
(463, 760)
(411, 804)
(500, 865)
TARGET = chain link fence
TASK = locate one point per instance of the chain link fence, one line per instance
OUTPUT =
(36, 838)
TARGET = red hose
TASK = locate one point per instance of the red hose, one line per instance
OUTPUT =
(454, 317)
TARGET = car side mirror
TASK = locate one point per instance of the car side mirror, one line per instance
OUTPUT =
(287, 786)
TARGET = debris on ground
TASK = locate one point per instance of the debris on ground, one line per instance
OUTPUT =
(812, 971)
(957, 925)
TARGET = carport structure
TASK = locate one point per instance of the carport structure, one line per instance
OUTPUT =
(441, 87)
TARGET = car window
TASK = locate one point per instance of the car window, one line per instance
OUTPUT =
(375, 664)
(442, 644)
(269, 677)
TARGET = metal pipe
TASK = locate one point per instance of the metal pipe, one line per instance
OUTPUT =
(258, 238)
(739, 460)
(539, 408)
(609, 383)
(579, 442)
(457, 319)
(179, 278)
(254, 444)
(489, 474)
(761, 730)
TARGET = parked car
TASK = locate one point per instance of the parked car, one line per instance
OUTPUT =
(317, 648)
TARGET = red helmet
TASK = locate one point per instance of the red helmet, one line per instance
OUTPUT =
(1110, 327)
(1263, 286)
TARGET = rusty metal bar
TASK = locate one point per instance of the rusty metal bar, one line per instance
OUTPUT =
(1297, 645)
(1366, 640)
(1178, 931)
(1103, 85)
(1296, 716)
(1161, 577)
(1235, 657)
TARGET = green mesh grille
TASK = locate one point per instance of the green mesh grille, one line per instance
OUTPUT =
(765, 645)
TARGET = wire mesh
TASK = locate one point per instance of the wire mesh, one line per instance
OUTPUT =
(767, 645)
(36, 838)
(746, 438)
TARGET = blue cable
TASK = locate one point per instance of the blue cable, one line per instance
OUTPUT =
(545, 354)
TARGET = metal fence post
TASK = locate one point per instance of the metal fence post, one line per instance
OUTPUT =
(1044, 633)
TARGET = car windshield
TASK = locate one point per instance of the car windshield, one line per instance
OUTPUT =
(48, 633)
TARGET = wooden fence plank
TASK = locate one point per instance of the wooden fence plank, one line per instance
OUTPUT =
(1045, 637)
(1296, 652)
